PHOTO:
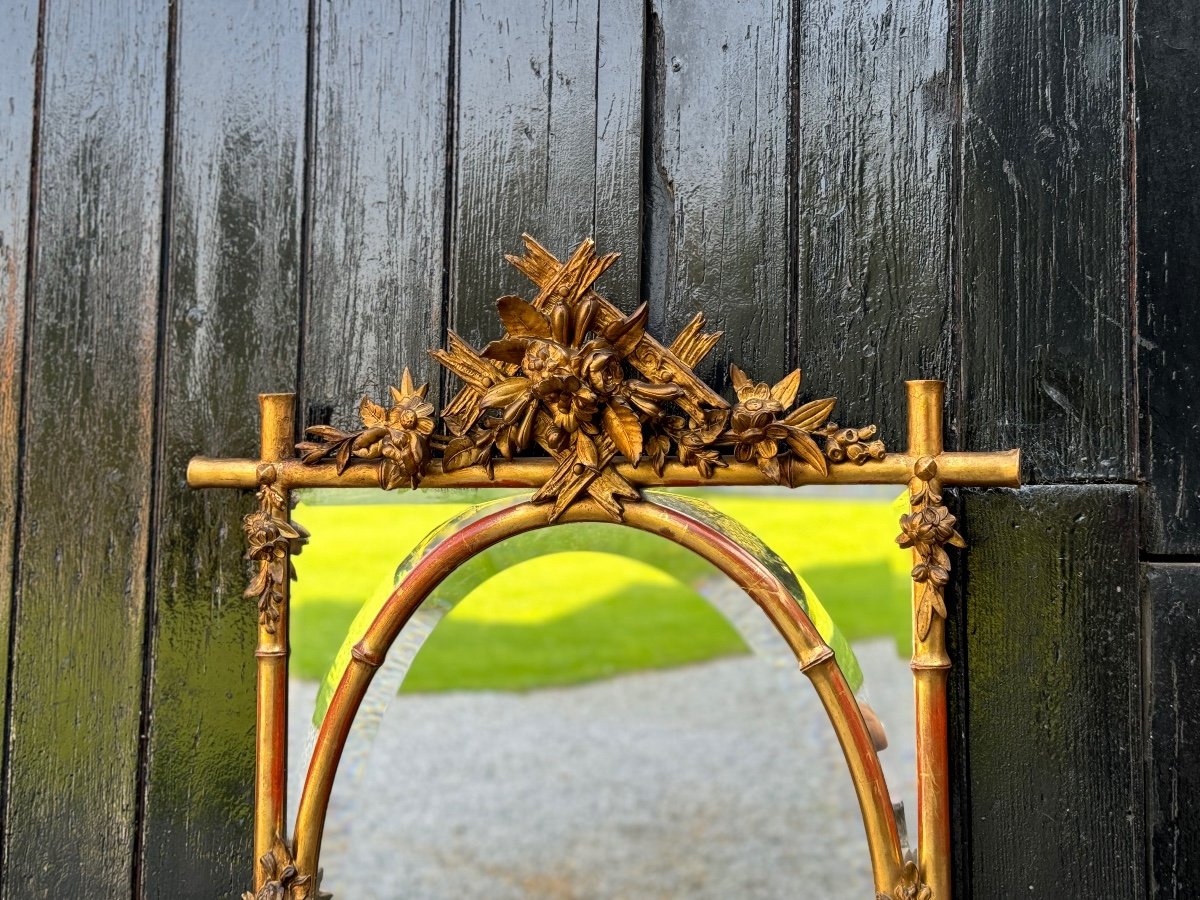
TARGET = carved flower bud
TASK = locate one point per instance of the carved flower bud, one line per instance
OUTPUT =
(545, 359)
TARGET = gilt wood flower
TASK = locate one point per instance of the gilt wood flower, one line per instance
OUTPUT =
(397, 436)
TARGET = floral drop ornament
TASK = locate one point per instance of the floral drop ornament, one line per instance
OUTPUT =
(397, 437)
(270, 535)
(927, 528)
(284, 881)
(910, 886)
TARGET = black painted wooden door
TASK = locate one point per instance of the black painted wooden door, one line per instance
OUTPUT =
(202, 200)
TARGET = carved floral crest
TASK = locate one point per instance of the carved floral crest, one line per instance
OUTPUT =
(588, 386)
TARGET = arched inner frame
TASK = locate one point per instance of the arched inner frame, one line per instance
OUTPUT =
(737, 554)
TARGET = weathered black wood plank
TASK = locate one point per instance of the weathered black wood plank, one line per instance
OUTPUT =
(875, 120)
(548, 141)
(231, 330)
(378, 201)
(1047, 331)
(617, 227)
(1174, 671)
(1168, 240)
(719, 229)
(76, 686)
(18, 97)
(1054, 686)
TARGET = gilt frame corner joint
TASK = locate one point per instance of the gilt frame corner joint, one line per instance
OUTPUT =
(577, 402)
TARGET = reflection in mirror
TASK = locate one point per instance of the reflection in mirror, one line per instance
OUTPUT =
(590, 711)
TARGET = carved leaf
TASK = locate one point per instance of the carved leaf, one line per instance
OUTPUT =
(923, 615)
(585, 451)
(624, 429)
(504, 393)
(521, 319)
(507, 350)
(525, 433)
(770, 467)
(460, 453)
(657, 449)
(373, 415)
(505, 442)
(327, 432)
(343, 456)
(785, 391)
(312, 453)
(811, 416)
(740, 379)
(625, 333)
(806, 449)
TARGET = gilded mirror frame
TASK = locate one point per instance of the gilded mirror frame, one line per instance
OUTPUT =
(580, 404)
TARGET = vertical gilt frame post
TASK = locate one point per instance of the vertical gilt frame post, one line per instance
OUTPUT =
(613, 412)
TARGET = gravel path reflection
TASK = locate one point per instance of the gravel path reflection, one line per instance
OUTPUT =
(721, 780)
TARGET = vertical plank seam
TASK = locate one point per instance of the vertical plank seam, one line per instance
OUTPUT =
(1131, 224)
(549, 108)
(449, 194)
(14, 598)
(157, 486)
(960, 878)
(308, 178)
(654, 237)
(1133, 426)
(958, 303)
(596, 127)
(792, 210)
(1135, 442)
(1146, 648)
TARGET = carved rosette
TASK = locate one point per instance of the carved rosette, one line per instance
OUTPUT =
(927, 529)
(270, 535)
(585, 384)
(284, 881)
(909, 887)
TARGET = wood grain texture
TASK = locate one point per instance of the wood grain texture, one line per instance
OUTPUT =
(18, 96)
(1173, 593)
(1168, 217)
(720, 241)
(76, 686)
(875, 122)
(378, 201)
(548, 141)
(1054, 686)
(1047, 332)
(231, 330)
(617, 228)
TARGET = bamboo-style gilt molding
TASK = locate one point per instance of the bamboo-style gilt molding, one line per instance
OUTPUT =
(577, 402)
